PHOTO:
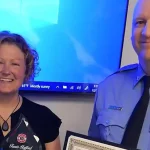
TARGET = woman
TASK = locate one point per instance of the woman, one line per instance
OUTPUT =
(24, 124)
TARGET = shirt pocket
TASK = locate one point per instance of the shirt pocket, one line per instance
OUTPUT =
(112, 124)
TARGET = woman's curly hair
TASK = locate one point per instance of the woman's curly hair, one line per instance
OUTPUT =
(30, 55)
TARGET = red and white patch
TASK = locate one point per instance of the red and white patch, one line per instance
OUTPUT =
(21, 138)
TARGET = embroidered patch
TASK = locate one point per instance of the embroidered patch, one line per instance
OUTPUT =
(115, 108)
(21, 138)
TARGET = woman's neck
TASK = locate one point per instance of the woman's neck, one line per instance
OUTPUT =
(9, 103)
(8, 100)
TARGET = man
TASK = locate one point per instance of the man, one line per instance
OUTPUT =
(120, 99)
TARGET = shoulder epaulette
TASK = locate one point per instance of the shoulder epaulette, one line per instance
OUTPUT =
(128, 67)
(125, 68)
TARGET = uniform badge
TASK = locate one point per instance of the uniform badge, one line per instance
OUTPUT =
(115, 108)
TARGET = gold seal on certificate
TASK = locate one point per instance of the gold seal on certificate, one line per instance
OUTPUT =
(75, 141)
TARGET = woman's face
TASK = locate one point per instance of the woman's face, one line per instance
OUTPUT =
(12, 68)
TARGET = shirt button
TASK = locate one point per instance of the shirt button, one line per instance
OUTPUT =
(137, 78)
(107, 122)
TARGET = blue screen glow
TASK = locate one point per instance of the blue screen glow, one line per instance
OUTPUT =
(79, 41)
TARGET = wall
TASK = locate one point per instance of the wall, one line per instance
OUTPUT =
(75, 110)
(128, 55)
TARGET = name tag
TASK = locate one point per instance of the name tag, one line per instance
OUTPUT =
(115, 108)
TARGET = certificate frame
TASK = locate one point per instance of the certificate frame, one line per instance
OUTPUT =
(76, 141)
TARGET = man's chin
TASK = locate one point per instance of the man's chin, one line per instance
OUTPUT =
(144, 55)
(147, 57)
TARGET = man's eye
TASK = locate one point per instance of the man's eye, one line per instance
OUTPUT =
(140, 22)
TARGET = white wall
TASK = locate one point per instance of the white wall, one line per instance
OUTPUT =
(128, 55)
(75, 110)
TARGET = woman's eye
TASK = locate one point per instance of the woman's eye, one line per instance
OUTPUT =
(15, 64)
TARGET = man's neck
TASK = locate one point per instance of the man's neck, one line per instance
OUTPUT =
(146, 67)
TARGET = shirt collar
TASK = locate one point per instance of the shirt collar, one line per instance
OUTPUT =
(139, 75)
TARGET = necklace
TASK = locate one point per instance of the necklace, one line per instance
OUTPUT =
(5, 126)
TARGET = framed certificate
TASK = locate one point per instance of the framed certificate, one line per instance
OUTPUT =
(76, 141)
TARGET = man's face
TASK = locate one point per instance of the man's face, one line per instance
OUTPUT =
(141, 30)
